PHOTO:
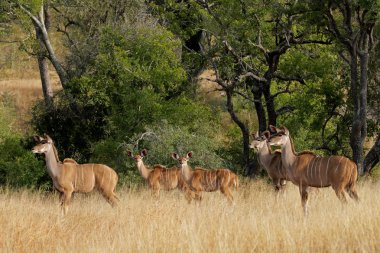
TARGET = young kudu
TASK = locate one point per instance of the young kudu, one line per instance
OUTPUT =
(200, 180)
(270, 160)
(306, 169)
(159, 177)
(69, 176)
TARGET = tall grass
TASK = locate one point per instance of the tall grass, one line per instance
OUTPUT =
(259, 221)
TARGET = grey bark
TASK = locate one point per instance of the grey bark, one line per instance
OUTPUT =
(373, 156)
(249, 169)
(39, 21)
(43, 65)
(358, 42)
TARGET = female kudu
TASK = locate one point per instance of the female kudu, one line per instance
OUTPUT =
(306, 169)
(159, 177)
(69, 176)
(200, 180)
(270, 160)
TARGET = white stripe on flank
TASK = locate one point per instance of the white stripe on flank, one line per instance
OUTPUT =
(336, 169)
(307, 169)
(312, 166)
(316, 167)
(315, 160)
(327, 169)
(319, 171)
(208, 181)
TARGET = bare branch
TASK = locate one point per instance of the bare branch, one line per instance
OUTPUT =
(250, 74)
(333, 28)
(27, 12)
(290, 78)
(259, 45)
(345, 59)
(287, 90)
(285, 109)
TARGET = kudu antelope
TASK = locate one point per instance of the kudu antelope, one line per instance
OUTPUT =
(306, 169)
(69, 176)
(200, 180)
(270, 160)
(158, 176)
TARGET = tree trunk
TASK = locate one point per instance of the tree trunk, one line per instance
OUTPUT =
(272, 115)
(260, 112)
(39, 21)
(359, 97)
(43, 64)
(248, 168)
(45, 79)
(373, 156)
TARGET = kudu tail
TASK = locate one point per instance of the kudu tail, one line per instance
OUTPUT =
(236, 182)
(351, 186)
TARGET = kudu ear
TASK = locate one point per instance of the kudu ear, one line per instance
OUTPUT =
(189, 154)
(256, 135)
(175, 156)
(286, 131)
(37, 138)
(48, 139)
(144, 152)
(266, 134)
(273, 129)
(129, 153)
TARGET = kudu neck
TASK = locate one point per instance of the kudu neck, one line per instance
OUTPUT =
(144, 171)
(187, 172)
(52, 162)
(264, 155)
(288, 154)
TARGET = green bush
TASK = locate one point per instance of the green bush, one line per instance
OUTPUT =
(122, 91)
(19, 167)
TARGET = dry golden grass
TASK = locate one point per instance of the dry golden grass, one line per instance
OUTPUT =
(25, 93)
(257, 222)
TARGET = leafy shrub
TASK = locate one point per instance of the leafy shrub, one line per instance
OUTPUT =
(122, 91)
(19, 167)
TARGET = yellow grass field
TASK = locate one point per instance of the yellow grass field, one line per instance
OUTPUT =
(259, 221)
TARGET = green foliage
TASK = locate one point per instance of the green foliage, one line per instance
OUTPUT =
(160, 140)
(320, 111)
(135, 83)
(178, 127)
(19, 167)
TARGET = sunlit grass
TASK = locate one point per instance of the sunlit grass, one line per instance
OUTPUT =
(259, 221)
(23, 94)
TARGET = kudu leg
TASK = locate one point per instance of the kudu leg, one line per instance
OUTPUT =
(304, 198)
(352, 193)
(190, 195)
(277, 184)
(66, 200)
(226, 192)
(198, 196)
(339, 191)
(111, 198)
